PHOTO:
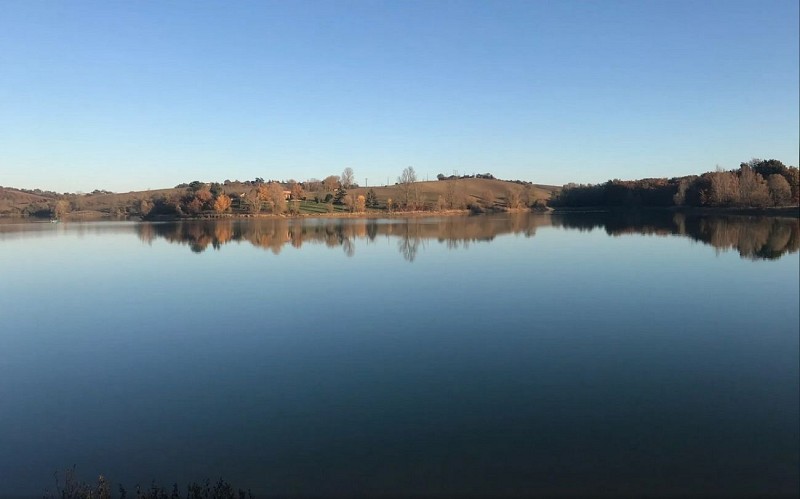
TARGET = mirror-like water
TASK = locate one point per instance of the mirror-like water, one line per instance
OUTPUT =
(511, 354)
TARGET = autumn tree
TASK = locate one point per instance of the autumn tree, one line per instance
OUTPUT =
(222, 203)
(331, 183)
(61, 208)
(361, 203)
(205, 197)
(793, 177)
(349, 201)
(723, 189)
(193, 207)
(273, 195)
(753, 190)
(297, 191)
(146, 206)
(779, 189)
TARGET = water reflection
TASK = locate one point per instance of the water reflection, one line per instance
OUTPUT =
(753, 237)
(274, 234)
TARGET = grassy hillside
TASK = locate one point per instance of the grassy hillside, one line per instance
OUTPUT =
(14, 202)
(471, 191)
(476, 189)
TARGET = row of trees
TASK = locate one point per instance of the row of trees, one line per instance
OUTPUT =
(261, 197)
(757, 183)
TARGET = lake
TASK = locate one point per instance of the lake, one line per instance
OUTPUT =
(510, 354)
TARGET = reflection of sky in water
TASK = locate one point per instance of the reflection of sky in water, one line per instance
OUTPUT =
(567, 361)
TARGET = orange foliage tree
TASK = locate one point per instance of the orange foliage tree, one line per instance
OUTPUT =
(222, 203)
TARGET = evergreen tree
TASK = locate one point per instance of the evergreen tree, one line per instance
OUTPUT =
(372, 199)
(341, 192)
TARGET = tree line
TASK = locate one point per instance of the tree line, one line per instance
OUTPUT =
(757, 184)
(260, 196)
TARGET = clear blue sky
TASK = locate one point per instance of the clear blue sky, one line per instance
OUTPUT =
(135, 95)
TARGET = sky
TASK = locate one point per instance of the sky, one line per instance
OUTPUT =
(148, 94)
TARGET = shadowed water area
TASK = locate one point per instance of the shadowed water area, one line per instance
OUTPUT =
(514, 354)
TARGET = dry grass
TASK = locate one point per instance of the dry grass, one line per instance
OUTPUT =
(474, 188)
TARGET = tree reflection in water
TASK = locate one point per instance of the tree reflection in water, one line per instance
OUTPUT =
(753, 237)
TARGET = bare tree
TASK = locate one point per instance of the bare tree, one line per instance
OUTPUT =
(407, 179)
(347, 179)
(454, 196)
(409, 176)
(313, 185)
(254, 199)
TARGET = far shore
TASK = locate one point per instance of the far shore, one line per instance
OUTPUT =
(781, 211)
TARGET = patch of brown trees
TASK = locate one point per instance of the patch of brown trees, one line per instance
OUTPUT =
(757, 183)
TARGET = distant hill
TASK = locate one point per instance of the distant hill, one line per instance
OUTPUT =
(429, 195)
(14, 202)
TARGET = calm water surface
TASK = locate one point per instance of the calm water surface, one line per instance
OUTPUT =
(513, 354)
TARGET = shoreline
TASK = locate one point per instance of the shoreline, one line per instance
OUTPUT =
(782, 211)
(87, 216)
